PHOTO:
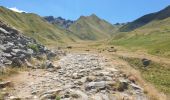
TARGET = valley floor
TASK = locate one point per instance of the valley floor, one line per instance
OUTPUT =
(88, 72)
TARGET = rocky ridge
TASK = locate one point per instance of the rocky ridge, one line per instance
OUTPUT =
(17, 50)
(59, 21)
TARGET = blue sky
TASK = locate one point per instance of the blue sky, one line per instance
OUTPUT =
(110, 10)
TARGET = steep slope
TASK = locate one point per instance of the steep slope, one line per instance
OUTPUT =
(153, 37)
(63, 23)
(92, 28)
(163, 14)
(16, 49)
(34, 26)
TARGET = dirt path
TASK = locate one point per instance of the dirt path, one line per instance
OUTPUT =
(83, 76)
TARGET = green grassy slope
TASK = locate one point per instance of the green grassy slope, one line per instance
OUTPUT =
(156, 73)
(34, 26)
(92, 28)
(154, 37)
(160, 15)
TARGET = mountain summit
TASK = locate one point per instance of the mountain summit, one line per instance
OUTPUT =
(92, 28)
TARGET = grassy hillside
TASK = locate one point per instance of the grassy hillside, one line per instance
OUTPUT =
(153, 37)
(34, 26)
(92, 28)
(156, 73)
(160, 15)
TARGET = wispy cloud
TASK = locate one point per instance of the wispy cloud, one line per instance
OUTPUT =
(16, 10)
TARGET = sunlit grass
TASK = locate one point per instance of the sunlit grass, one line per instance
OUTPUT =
(157, 74)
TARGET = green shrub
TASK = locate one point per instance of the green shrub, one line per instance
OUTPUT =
(34, 47)
(57, 98)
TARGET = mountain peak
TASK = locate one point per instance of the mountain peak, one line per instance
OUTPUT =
(90, 16)
(168, 7)
(93, 15)
(165, 10)
(59, 21)
(82, 17)
(49, 18)
(92, 28)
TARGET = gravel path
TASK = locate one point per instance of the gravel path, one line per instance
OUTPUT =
(82, 76)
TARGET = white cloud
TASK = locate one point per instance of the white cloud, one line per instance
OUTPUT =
(16, 10)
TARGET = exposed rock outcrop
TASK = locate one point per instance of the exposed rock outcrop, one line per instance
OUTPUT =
(59, 21)
(17, 49)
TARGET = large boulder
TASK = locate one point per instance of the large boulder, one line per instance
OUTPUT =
(3, 31)
(6, 61)
(2, 48)
(28, 64)
(5, 84)
(123, 85)
(51, 54)
(7, 55)
(146, 62)
(49, 64)
(17, 62)
(96, 85)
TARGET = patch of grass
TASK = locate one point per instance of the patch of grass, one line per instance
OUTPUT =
(155, 43)
(8, 72)
(95, 45)
(4, 92)
(34, 47)
(1, 96)
(157, 74)
(4, 73)
(57, 98)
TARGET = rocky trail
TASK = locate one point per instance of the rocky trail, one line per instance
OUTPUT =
(79, 76)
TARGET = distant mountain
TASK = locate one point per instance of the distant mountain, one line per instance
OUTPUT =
(163, 14)
(34, 26)
(92, 28)
(153, 36)
(59, 21)
(86, 27)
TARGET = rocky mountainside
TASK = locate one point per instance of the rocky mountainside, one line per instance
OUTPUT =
(160, 15)
(59, 21)
(92, 28)
(34, 26)
(16, 49)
